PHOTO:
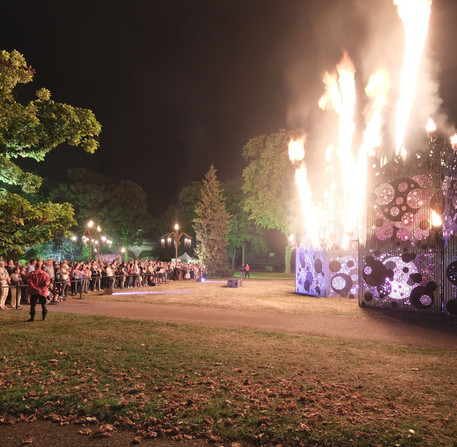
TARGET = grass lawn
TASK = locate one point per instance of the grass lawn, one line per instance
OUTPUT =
(186, 381)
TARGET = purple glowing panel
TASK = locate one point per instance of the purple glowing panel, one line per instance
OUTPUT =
(326, 273)
(310, 277)
(343, 273)
(402, 209)
(405, 279)
(449, 189)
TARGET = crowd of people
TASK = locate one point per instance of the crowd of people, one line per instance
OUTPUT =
(82, 277)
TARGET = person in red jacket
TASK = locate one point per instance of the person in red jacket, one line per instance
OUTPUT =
(37, 287)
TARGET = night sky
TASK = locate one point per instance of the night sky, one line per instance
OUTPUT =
(180, 84)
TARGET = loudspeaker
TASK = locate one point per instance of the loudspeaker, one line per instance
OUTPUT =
(232, 283)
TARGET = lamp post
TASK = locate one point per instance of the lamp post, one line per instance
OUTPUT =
(93, 235)
(175, 238)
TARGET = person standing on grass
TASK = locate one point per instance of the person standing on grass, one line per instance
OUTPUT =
(38, 282)
(246, 271)
(4, 284)
(16, 283)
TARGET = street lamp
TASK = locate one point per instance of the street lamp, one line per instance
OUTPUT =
(93, 236)
(175, 237)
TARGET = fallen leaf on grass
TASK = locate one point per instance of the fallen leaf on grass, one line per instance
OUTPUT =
(6, 421)
(91, 419)
(104, 431)
(28, 440)
(85, 431)
(149, 434)
(136, 440)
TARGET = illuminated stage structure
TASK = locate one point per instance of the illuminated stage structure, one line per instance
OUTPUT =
(409, 259)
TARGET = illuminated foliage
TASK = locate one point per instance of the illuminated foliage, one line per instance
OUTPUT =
(31, 131)
(25, 224)
(269, 183)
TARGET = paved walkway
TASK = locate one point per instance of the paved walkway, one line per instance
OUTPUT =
(402, 329)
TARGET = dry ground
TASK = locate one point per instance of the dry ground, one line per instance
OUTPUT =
(270, 305)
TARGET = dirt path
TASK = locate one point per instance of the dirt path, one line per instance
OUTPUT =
(403, 329)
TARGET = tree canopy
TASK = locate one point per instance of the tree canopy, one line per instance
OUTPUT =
(125, 215)
(269, 183)
(212, 225)
(244, 232)
(30, 131)
(120, 208)
(25, 224)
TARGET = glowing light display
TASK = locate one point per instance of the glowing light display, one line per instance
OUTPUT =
(399, 208)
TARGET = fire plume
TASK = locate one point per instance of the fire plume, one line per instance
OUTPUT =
(338, 215)
(415, 16)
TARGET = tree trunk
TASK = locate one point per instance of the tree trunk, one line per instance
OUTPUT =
(287, 259)
(242, 253)
(233, 258)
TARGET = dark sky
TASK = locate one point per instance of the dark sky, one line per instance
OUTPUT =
(181, 84)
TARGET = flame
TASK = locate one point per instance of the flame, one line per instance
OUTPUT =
(454, 141)
(431, 126)
(343, 203)
(376, 90)
(340, 95)
(436, 219)
(297, 149)
(415, 16)
(339, 214)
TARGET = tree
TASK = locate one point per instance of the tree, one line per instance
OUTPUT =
(31, 131)
(24, 224)
(125, 216)
(244, 233)
(120, 208)
(212, 225)
(188, 200)
(86, 190)
(269, 184)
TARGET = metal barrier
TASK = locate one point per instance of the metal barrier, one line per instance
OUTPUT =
(77, 286)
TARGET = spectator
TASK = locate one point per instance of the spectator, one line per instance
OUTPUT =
(38, 282)
(4, 284)
(109, 276)
(63, 278)
(16, 283)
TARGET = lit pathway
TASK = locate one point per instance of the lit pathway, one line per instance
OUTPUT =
(405, 329)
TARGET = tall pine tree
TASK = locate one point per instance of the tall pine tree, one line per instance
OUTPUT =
(212, 225)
